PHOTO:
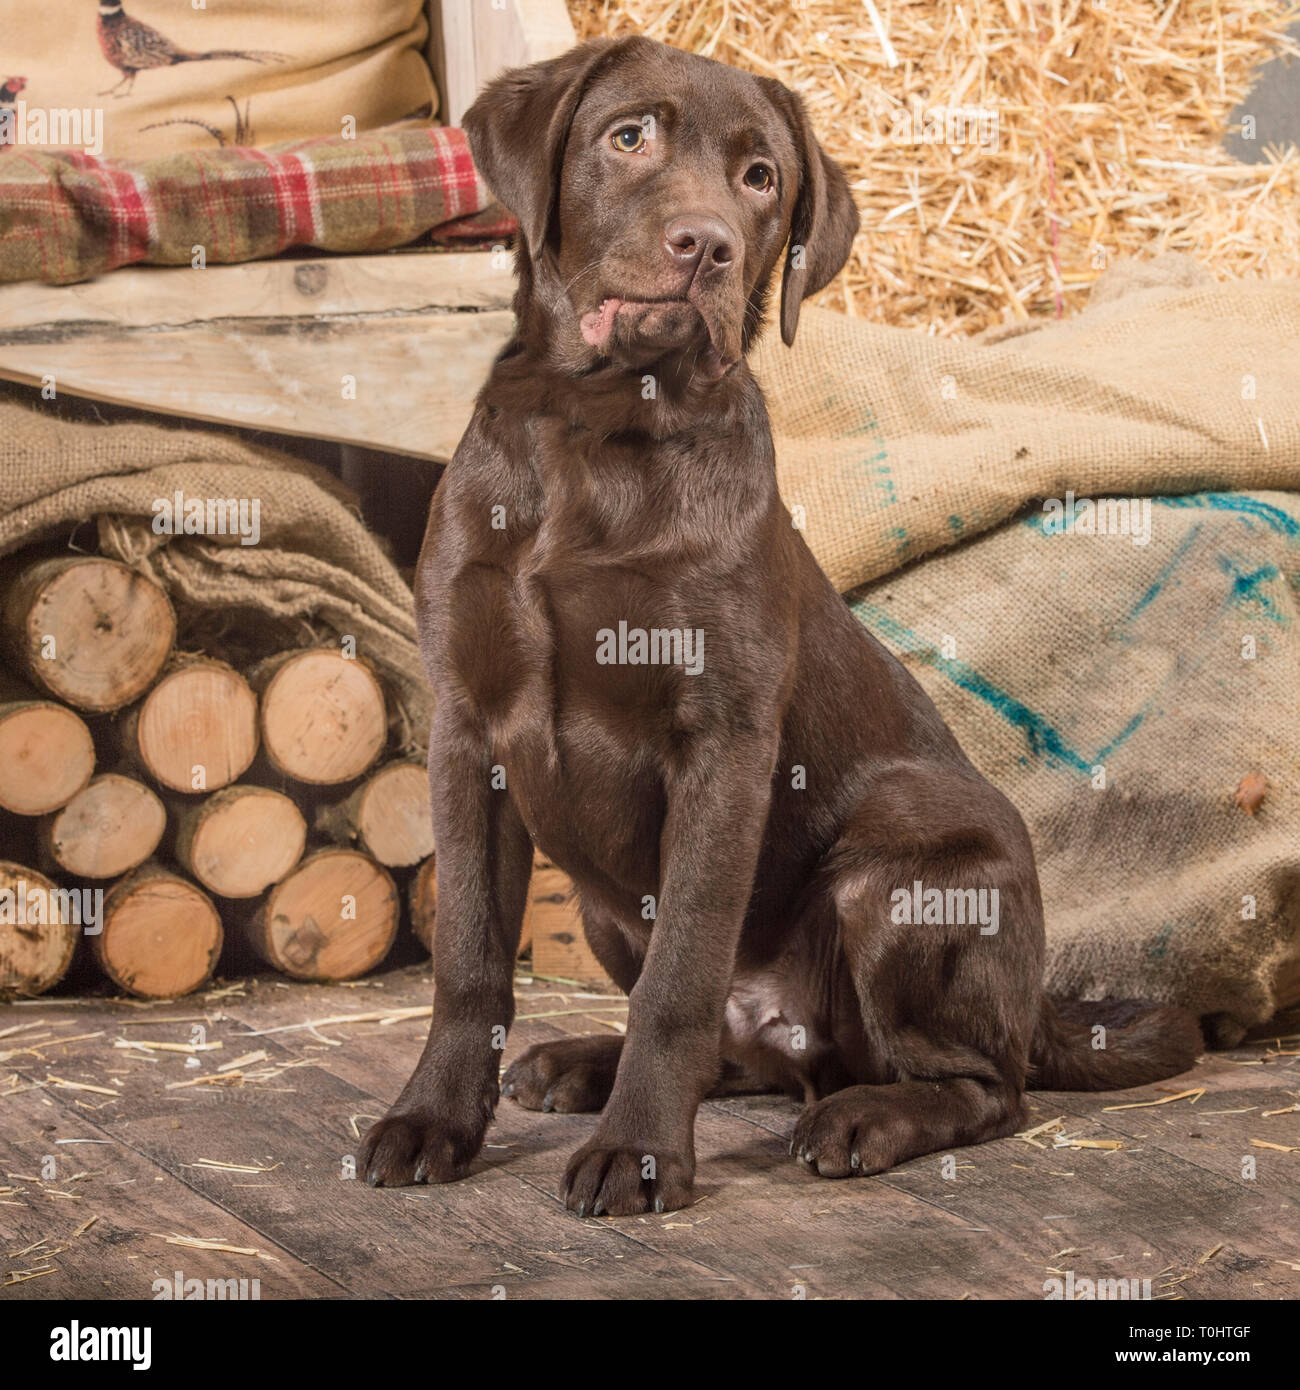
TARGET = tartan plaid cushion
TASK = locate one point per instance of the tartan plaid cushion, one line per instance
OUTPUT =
(70, 216)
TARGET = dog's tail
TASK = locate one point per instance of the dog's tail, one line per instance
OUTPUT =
(1110, 1044)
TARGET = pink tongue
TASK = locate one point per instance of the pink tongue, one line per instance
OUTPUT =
(598, 324)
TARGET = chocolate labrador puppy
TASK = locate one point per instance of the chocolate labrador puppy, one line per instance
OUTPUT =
(781, 853)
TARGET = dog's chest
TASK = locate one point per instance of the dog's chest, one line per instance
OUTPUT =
(613, 676)
(585, 671)
(598, 611)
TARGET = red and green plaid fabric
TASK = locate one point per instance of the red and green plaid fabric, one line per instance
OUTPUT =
(67, 216)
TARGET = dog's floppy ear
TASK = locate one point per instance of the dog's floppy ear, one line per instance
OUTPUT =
(518, 127)
(824, 221)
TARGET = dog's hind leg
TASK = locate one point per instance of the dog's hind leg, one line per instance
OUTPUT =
(569, 1075)
(576, 1075)
(940, 925)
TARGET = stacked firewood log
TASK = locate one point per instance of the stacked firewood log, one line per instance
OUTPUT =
(159, 802)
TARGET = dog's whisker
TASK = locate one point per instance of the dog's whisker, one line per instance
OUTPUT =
(586, 270)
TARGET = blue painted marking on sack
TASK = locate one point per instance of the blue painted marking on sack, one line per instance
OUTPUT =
(1161, 943)
(1245, 591)
(1124, 734)
(1273, 517)
(1044, 740)
(1176, 559)
(1235, 502)
(880, 471)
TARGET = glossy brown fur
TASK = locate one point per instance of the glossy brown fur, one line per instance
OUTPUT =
(764, 809)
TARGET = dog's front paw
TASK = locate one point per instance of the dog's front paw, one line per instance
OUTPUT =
(605, 1179)
(416, 1147)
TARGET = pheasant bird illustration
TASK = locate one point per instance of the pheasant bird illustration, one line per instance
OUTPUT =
(132, 46)
(9, 90)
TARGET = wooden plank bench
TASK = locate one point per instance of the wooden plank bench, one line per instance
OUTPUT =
(266, 344)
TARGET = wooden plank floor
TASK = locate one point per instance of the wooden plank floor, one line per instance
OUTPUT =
(154, 1146)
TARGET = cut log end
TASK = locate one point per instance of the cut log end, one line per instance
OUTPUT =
(554, 919)
(89, 630)
(333, 918)
(323, 716)
(109, 828)
(422, 899)
(196, 730)
(389, 816)
(241, 840)
(422, 904)
(38, 935)
(46, 756)
(161, 935)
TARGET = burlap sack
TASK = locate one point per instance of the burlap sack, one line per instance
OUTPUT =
(316, 575)
(286, 71)
(1067, 660)
(897, 444)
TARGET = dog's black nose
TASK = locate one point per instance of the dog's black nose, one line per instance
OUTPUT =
(699, 240)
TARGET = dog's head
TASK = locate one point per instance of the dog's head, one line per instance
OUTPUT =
(655, 192)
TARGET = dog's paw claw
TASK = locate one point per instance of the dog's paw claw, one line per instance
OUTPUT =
(415, 1148)
(568, 1076)
(841, 1137)
(606, 1180)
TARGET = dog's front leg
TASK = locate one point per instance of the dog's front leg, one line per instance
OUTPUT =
(642, 1155)
(436, 1126)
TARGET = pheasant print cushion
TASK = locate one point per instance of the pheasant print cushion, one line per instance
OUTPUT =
(138, 78)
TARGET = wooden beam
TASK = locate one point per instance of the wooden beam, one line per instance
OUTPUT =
(473, 40)
(384, 351)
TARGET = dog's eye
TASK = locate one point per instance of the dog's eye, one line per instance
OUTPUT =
(758, 177)
(628, 139)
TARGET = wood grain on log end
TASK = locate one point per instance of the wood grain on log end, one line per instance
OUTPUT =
(333, 918)
(240, 840)
(323, 715)
(161, 935)
(389, 816)
(107, 829)
(196, 730)
(37, 935)
(89, 630)
(46, 756)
